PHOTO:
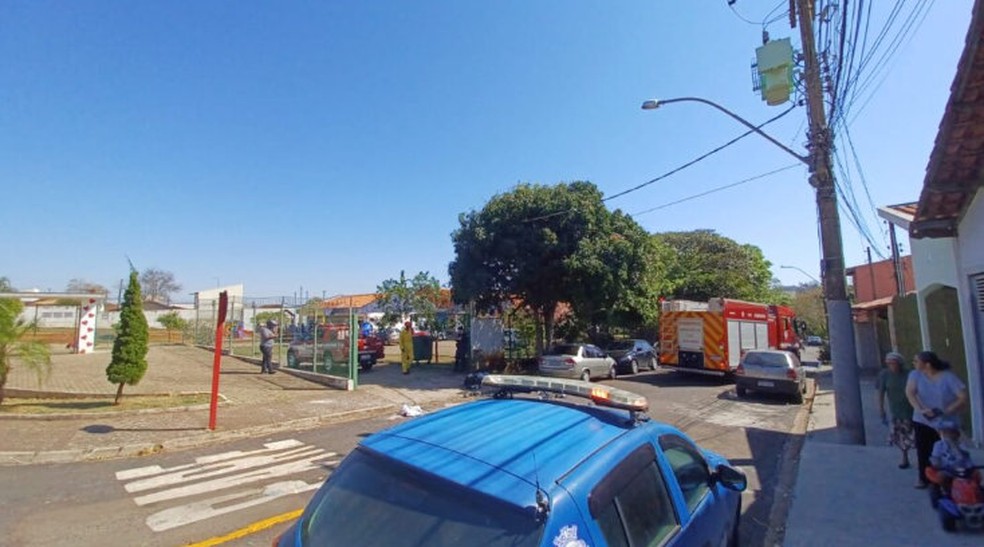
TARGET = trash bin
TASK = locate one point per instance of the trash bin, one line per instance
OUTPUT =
(423, 348)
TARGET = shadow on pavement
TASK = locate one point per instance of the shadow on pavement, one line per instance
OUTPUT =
(100, 429)
(669, 378)
(767, 451)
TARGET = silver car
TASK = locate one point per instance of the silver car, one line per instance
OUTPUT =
(584, 361)
(772, 371)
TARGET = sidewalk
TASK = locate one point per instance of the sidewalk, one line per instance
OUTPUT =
(856, 495)
(253, 404)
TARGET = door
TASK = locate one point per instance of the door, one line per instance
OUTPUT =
(734, 344)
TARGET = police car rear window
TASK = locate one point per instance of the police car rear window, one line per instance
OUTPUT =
(375, 501)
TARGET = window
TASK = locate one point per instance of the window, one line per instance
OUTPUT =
(414, 509)
(689, 468)
(631, 505)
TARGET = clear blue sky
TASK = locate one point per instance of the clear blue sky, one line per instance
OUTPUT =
(329, 145)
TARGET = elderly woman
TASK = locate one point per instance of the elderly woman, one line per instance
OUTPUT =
(891, 386)
(934, 392)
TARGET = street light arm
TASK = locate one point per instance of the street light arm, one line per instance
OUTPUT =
(801, 270)
(653, 104)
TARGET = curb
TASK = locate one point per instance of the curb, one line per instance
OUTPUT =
(788, 471)
(182, 443)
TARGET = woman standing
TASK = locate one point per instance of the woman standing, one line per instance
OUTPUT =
(934, 392)
(891, 385)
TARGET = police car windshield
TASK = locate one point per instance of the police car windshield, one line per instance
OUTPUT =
(373, 501)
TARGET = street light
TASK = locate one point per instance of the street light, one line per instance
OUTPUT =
(847, 389)
(653, 104)
(801, 270)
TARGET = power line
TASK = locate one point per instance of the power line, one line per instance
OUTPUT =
(699, 158)
(717, 189)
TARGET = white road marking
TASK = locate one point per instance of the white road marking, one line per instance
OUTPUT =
(237, 472)
(201, 510)
(221, 468)
(229, 482)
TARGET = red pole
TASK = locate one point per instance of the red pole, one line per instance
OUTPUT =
(217, 361)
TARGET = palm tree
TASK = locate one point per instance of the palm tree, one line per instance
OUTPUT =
(12, 348)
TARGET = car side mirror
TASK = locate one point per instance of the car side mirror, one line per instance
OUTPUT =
(731, 477)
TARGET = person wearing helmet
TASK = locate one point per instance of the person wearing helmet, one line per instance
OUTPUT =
(406, 347)
(268, 333)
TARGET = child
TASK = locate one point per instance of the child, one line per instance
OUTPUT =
(947, 453)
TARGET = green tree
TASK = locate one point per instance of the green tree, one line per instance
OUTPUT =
(401, 298)
(706, 265)
(539, 246)
(33, 354)
(129, 362)
(808, 304)
(172, 321)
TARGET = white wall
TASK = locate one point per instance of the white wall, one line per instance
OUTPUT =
(934, 263)
(970, 261)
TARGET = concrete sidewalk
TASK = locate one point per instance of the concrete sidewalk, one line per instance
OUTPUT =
(856, 495)
(253, 404)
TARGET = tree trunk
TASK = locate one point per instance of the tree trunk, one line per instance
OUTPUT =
(119, 393)
(548, 322)
(3, 382)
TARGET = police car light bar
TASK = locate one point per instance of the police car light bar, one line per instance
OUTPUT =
(601, 395)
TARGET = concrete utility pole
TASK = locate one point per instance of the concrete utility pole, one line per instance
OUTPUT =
(847, 390)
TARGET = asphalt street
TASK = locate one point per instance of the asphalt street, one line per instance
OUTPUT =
(191, 496)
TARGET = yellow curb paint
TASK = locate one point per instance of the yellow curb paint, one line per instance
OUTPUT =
(251, 529)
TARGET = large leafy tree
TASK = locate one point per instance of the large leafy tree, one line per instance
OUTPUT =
(399, 298)
(158, 285)
(13, 347)
(539, 245)
(706, 265)
(129, 362)
(808, 303)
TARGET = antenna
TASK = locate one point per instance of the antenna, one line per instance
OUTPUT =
(542, 504)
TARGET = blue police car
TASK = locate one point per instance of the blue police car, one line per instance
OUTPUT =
(528, 471)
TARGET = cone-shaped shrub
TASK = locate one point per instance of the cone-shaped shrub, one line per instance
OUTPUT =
(130, 347)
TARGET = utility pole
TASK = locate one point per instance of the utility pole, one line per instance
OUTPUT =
(847, 390)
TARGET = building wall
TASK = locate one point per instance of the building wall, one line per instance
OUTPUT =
(877, 280)
(970, 262)
(934, 263)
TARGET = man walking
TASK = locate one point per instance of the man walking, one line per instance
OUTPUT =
(268, 333)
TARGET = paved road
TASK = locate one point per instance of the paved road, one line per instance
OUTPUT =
(183, 497)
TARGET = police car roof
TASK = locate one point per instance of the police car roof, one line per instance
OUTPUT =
(502, 447)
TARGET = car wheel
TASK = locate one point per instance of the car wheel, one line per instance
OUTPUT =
(798, 397)
(740, 391)
(613, 372)
(947, 521)
(291, 359)
(635, 367)
(586, 376)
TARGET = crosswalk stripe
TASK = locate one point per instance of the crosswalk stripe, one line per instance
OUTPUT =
(231, 481)
(212, 470)
(200, 510)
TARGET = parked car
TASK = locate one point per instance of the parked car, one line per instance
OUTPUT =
(574, 475)
(814, 341)
(333, 349)
(584, 361)
(772, 371)
(633, 355)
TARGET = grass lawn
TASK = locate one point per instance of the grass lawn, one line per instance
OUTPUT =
(82, 406)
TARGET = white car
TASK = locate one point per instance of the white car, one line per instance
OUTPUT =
(584, 361)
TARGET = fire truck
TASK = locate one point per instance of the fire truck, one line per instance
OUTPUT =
(711, 337)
